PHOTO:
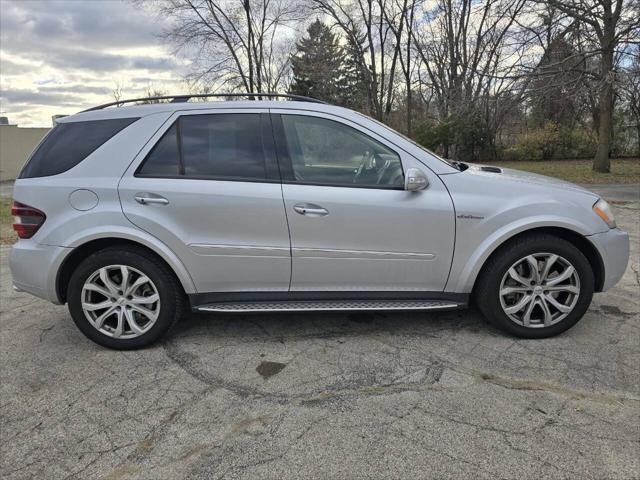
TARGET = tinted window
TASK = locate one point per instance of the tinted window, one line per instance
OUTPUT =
(163, 160)
(70, 143)
(222, 145)
(327, 152)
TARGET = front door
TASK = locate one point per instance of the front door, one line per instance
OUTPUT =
(353, 226)
(208, 187)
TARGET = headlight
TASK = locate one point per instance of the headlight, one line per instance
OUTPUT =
(603, 210)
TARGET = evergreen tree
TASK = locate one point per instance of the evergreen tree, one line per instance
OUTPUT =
(558, 85)
(318, 65)
(355, 78)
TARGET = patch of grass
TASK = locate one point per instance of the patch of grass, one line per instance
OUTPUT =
(579, 171)
(7, 235)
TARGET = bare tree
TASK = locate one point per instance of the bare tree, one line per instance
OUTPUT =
(611, 23)
(463, 48)
(400, 16)
(630, 89)
(234, 44)
(451, 63)
(151, 92)
(118, 91)
(373, 44)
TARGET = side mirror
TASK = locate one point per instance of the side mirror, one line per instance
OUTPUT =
(415, 180)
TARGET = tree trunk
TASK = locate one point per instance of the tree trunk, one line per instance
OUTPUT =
(409, 21)
(601, 162)
(410, 110)
(247, 10)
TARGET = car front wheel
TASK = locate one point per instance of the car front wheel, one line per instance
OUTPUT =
(124, 298)
(535, 287)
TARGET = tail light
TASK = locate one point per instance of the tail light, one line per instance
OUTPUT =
(27, 219)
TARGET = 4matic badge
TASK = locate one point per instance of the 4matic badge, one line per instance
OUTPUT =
(469, 216)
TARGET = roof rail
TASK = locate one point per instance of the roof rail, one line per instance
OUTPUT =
(187, 97)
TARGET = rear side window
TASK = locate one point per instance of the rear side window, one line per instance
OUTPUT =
(217, 146)
(222, 145)
(70, 143)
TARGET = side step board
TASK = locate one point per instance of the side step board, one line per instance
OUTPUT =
(327, 305)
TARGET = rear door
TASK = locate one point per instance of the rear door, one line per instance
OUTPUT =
(208, 186)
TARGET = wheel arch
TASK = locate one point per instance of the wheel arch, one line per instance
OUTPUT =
(92, 245)
(579, 241)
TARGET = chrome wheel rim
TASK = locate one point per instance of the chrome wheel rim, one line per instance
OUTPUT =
(120, 301)
(539, 290)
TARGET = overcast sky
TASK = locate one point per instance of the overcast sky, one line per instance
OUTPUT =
(60, 56)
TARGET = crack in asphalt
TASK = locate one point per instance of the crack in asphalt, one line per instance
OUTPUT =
(190, 364)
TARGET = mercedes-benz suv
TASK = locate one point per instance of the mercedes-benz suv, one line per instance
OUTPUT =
(133, 215)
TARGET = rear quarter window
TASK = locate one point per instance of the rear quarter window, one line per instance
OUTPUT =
(70, 143)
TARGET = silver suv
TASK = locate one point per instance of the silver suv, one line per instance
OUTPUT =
(132, 215)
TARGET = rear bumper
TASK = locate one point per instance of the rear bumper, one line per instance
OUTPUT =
(613, 247)
(34, 268)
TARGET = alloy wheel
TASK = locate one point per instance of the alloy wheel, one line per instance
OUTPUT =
(539, 290)
(120, 301)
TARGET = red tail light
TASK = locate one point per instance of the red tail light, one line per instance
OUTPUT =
(27, 219)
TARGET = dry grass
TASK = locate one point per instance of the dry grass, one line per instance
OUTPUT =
(7, 235)
(579, 171)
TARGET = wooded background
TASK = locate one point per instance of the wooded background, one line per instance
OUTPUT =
(472, 80)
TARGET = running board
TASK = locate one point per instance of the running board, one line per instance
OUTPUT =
(327, 305)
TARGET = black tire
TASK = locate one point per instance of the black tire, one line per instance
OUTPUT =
(487, 296)
(172, 297)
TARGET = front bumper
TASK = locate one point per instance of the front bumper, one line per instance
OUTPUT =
(613, 247)
(34, 268)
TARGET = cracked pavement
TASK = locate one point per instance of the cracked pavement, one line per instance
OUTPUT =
(317, 395)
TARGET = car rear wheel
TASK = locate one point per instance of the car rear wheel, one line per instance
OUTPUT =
(535, 287)
(124, 298)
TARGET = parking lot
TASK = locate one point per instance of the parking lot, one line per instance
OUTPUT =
(388, 395)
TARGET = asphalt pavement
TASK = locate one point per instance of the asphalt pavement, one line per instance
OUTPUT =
(317, 395)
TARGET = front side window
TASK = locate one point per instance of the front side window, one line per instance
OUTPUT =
(69, 143)
(209, 146)
(330, 153)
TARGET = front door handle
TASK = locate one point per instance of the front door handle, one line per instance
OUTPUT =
(310, 210)
(145, 198)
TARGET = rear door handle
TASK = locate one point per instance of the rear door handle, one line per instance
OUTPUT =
(310, 210)
(145, 198)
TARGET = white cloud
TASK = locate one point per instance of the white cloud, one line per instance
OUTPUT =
(61, 56)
